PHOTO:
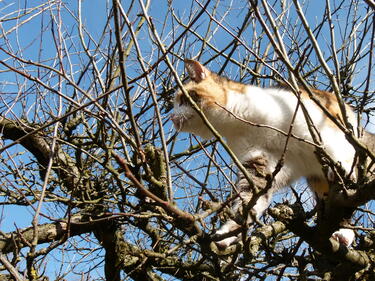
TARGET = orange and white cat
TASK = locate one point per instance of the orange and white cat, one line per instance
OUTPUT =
(228, 105)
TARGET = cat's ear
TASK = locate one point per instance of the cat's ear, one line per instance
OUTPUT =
(196, 71)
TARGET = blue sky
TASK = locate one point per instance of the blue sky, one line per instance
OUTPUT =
(94, 17)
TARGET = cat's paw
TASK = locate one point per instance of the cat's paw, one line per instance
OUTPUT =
(225, 243)
(344, 236)
(229, 226)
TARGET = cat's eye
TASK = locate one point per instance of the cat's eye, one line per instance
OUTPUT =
(193, 94)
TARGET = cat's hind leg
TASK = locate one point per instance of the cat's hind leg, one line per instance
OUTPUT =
(344, 236)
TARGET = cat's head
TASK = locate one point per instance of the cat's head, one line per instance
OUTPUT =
(208, 90)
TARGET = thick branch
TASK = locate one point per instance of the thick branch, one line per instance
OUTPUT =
(294, 219)
(33, 143)
(355, 197)
(140, 264)
(47, 233)
(37, 145)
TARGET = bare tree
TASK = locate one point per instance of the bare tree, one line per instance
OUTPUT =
(115, 193)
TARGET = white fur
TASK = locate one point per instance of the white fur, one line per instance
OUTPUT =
(259, 208)
(274, 108)
(344, 236)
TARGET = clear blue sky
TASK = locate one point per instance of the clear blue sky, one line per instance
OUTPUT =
(94, 18)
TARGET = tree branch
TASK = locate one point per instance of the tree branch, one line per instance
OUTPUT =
(34, 143)
(294, 218)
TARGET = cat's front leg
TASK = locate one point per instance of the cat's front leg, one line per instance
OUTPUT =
(258, 169)
(261, 205)
(229, 226)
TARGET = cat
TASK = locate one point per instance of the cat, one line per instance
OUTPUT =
(230, 106)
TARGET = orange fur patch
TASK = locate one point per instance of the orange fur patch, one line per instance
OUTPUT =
(211, 89)
(329, 101)
(318, 185)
